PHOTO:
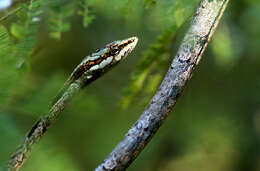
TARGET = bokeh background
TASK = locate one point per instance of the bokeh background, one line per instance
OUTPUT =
(214, 126)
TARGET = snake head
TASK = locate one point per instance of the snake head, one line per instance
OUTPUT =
(121, 48)
(104, 58)
(99, 62)
(114, 52)
(110, 55)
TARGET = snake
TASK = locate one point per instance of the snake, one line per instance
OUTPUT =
(99, 62)
(91, 68)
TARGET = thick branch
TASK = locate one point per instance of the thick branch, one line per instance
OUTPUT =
(188, 56)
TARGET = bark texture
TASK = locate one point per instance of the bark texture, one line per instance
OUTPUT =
(202, 27)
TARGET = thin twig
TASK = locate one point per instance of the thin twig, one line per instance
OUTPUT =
(202, 27)
(13, 11)
(10, 13)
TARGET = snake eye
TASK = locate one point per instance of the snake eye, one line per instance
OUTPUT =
(115, 50)
(98, 50)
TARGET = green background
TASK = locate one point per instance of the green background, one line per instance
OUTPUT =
(214, 126)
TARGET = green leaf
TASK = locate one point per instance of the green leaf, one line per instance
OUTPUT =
(9, 76)
(15, 53)
(88, 17)
(55, 35)
(65, 26)
(18, 31)
(155, 59)
(149, 3)
(59, 15)
(152, 58)
(5, 42)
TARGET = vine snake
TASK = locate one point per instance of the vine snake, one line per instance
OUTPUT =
(91, 68)
(99, 62)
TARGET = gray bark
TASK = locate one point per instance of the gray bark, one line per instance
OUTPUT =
(202, 27)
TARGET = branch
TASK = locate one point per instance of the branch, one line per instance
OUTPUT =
(202, 27)
(12, 11)
(10, 14)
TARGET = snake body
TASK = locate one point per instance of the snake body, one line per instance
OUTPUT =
(91, 68)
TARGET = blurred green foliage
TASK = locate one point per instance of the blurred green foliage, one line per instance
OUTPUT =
(59, 13)
(86, 13)
(214, 126)
(152, 65)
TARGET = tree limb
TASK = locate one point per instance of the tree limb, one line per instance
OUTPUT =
(202, 27)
